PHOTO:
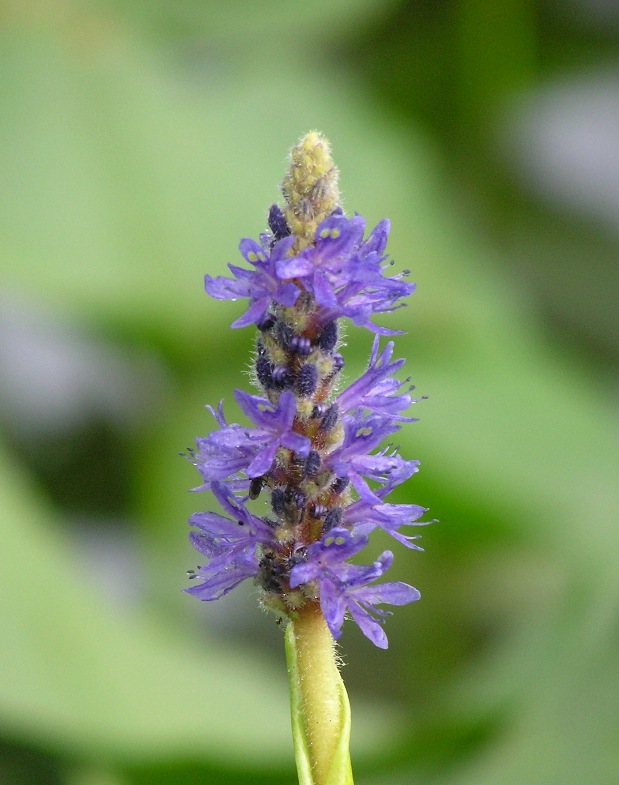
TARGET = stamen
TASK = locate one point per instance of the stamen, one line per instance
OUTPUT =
(330, 419)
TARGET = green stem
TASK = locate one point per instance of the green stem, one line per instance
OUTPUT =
(319, 705)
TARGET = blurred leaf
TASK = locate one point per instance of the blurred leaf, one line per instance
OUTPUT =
(497, 53)
(256, 23)
(130, 176)
(85, 679)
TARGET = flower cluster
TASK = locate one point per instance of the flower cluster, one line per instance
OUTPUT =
(312, 451)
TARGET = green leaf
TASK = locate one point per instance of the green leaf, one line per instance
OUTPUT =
(84, 677)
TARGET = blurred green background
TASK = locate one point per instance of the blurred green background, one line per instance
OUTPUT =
(138, 143)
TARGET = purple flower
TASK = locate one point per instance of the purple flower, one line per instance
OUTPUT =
(368, 290)
(377, 389)
(261, 285)
(362, 433)
(274, 429)
(345, 275)
(326, 264)
(312, 459)
(235, 449)
(229, 545)
(362, 518)
(343, 586)
(220, 462)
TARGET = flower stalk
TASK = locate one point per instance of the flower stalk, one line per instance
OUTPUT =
(319, 705)
(305, 484)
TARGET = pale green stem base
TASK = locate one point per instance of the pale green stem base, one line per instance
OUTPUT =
(319, 706)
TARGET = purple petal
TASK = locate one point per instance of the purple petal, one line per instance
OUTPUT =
(303, 573)
(335, 547)
(287, 294)
(287, 408)
(242, 274)
(295, 267)
(368, 626)
(333, 607)
(362, 488)
(253, 314)
(215, 525)
(254, 407)
(262, 462)
(228, 502)
(221, 583)
(251, 251)
(225, 288)
(403, 513)
(281, 248)
(297, 443)
(337, 235)
(394, 593)
(405, 540)
(362, 321)
(377, 240)
(205, 544)
(323, 291)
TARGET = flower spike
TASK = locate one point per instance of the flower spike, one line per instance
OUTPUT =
(317, 455)
(304, 484)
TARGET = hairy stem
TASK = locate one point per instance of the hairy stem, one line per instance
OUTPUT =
(319, 685)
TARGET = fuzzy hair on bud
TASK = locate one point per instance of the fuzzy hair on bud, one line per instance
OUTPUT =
(309, 188)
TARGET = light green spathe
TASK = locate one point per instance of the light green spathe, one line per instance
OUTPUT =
(319, 707)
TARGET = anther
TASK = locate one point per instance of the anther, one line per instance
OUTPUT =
(330, 418)
(298, 557)
(338, 363)
(267, 321)
(298, 497)
(190, 455)
(340, 485)
(282, 377)
(283, 333)
(312, 463)
(299, 344)
(277, 223)
(255, 486)
(328, 337)
(264, 371)
(332, 518)
(278, 501)
(307, 380)
(270, 573)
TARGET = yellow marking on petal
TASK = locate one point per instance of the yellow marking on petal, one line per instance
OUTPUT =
(252, 256)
